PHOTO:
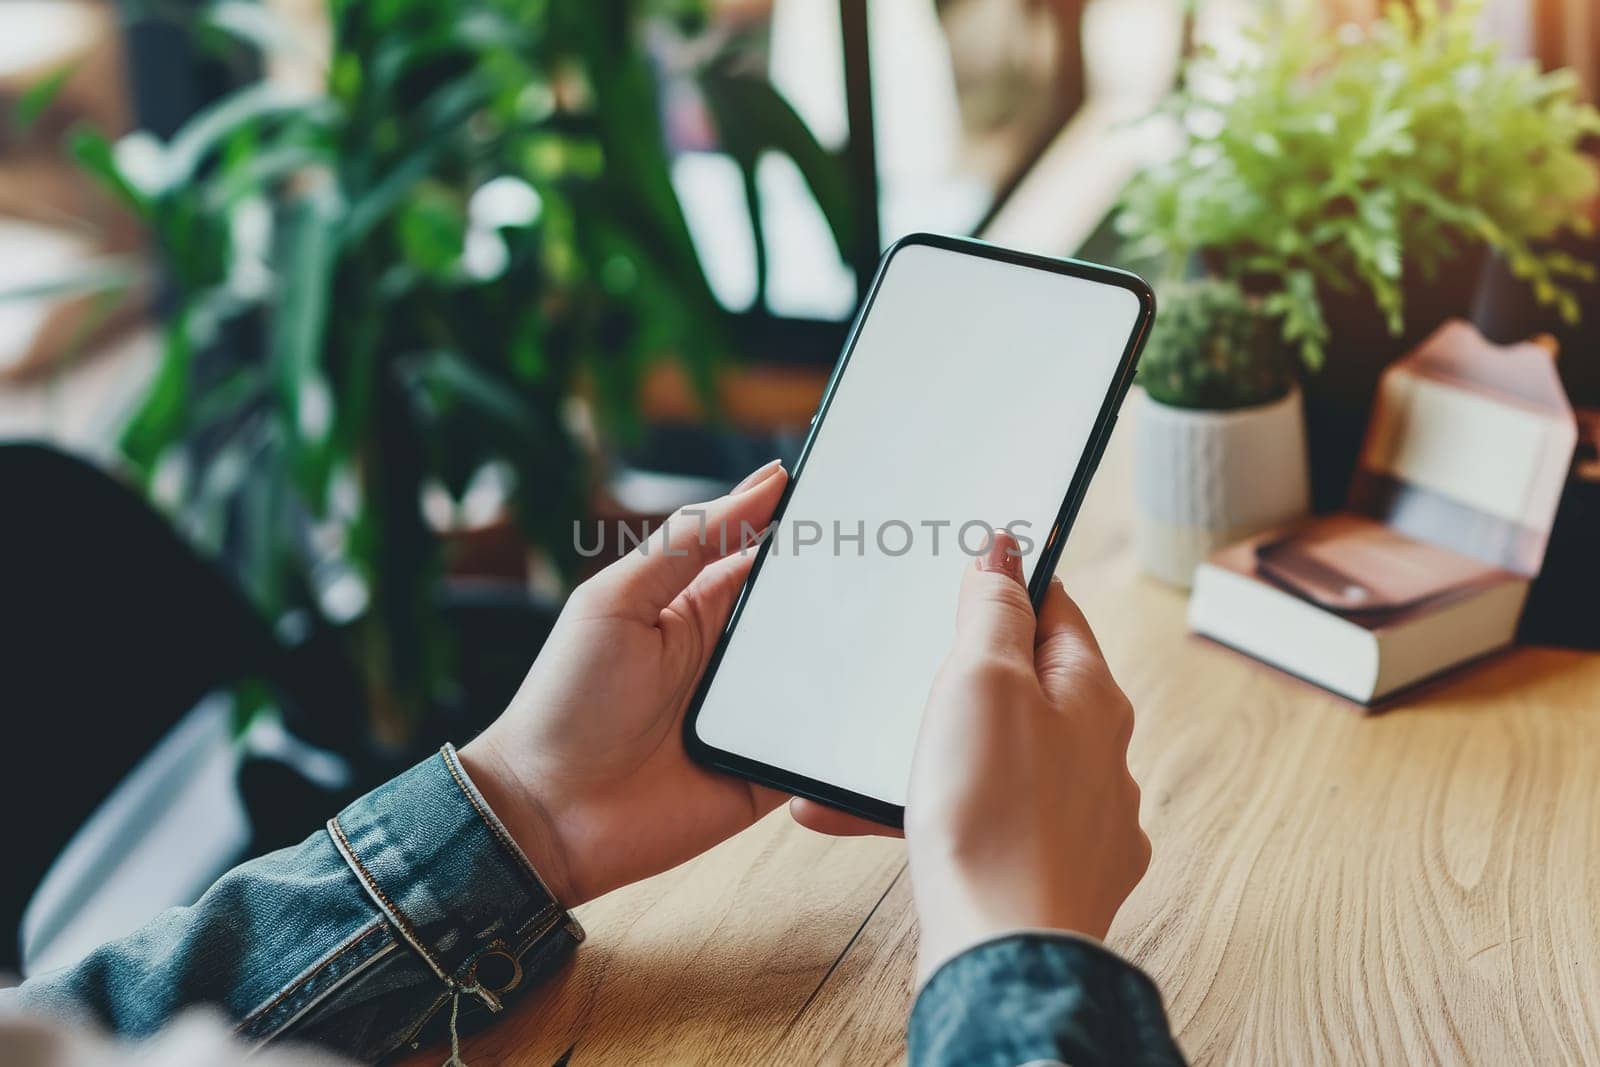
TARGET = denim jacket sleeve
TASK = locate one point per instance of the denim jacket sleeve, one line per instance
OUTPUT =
(358, 939)
(1040, 999)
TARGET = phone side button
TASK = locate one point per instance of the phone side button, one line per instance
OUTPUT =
(1100, 447)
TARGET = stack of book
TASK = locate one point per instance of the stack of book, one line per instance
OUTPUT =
(1429, 566)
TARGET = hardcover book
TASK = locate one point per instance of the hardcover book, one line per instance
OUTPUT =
(1446, 525)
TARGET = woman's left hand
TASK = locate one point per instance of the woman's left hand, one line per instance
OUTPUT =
(587, 767)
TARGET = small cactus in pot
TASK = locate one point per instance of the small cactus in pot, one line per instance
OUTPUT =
(1221, 437)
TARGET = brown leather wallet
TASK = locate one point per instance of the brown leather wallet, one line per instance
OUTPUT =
(1348, 563)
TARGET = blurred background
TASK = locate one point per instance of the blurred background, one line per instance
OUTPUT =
(323, 322)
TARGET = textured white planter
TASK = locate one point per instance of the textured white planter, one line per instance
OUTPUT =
(1207, 478)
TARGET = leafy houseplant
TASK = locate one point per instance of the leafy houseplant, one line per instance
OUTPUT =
(1354, 181)
(1220, 439)
(404, 282)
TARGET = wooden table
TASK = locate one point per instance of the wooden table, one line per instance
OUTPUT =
(1418, 886)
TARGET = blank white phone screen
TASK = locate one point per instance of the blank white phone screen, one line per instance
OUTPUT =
(967, 402)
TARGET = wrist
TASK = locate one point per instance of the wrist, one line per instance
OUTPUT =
(524, 815)
(957, 912)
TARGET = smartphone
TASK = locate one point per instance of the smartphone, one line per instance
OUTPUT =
(976, 390)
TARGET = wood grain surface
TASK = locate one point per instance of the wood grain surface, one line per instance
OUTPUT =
(1420, 886)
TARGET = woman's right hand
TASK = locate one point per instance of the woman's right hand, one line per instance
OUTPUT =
(1022, 813)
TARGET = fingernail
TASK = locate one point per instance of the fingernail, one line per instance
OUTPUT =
(757, 476)
(1003, 557)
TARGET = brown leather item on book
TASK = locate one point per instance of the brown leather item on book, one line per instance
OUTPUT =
(1351, 564)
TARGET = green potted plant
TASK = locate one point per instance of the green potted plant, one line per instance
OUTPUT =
(1356, 180)
(408, 282)
(1220, 445)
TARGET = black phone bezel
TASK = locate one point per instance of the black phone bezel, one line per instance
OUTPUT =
(847, 800)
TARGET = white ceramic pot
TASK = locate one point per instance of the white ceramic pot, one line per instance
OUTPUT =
(1205, 479)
